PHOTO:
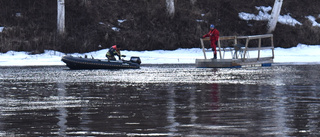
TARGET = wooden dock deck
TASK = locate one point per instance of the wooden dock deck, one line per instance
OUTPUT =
(247, 54)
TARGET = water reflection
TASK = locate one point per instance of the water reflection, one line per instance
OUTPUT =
(62, 111)
(171, 112)
(153, 101)
(281, 116)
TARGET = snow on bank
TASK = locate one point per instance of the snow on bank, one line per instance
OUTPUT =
(312, 19)
(1, 29)
(265, 16)
(300, 54)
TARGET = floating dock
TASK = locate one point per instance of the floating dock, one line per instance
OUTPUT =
(232, 53)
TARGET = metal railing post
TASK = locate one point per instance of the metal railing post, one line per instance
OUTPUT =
(202, 45)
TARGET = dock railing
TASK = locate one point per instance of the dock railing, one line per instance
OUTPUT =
(240, 46)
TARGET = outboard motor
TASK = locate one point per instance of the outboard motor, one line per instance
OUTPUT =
(135, 60)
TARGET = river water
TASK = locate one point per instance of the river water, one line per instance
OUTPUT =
(160, 100)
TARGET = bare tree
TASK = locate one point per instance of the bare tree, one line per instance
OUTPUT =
(170, 7)
(61, 16)
(274, 15)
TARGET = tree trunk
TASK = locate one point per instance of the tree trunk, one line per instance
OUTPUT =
(274, 15)
(170, 7)
(61, 17)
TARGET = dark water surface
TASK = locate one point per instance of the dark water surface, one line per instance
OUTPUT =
(160, 100)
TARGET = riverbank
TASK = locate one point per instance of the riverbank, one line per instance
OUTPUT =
(30, 25)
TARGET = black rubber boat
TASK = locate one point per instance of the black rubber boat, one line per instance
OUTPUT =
(91, 63)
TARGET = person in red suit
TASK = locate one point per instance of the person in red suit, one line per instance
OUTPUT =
(214, 36)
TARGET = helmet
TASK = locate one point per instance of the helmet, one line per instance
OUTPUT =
(211, 26)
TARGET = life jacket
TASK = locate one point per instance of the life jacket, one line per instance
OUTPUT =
(113, 51)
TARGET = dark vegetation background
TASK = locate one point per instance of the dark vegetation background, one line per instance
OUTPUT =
(30, 25)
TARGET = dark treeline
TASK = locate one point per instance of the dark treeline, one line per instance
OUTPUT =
(31, 25)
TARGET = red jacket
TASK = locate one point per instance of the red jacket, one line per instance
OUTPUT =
(213, 34)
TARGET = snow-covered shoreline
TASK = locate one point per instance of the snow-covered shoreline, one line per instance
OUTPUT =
(300, 54)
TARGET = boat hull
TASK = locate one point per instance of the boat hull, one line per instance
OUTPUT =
(87, 63)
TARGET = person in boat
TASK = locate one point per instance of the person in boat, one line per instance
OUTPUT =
(114, 50)
(214, 36)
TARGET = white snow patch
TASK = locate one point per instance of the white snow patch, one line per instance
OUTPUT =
(313, 21)
(265, 16)
(121, 21)
(1, 29)
(115, 29)
(264, 8)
